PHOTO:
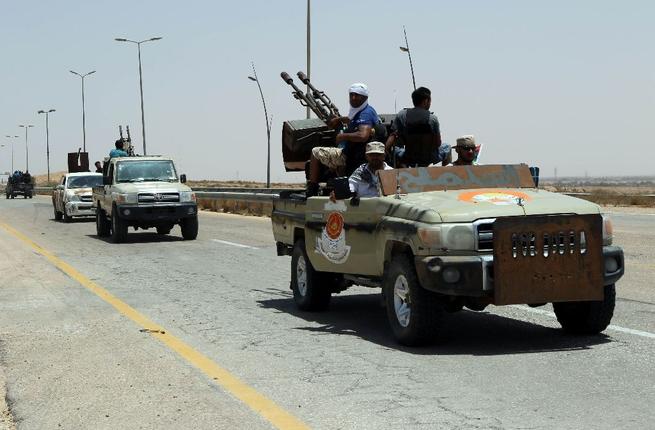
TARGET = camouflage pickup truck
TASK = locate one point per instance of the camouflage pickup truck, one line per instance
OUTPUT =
(438, 239)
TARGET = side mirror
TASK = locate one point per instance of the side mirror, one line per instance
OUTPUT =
(106, 180)
(534, 171)
(59, 187)
(341, 187)
(183, 178)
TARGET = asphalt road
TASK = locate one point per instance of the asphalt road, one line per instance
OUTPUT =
(165, 333)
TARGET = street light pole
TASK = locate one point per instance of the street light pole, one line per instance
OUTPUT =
(309, 64)
(47, 138)
(268, 127)
(27, 158)
(83, 110)
(143, 120)
(409, 54)
(12, 151)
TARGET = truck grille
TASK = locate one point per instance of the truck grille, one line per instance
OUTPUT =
(86, 198)
(484, 233)
(158, 197)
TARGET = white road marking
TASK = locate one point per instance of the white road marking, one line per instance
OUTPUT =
(610, 327)
(225, 242)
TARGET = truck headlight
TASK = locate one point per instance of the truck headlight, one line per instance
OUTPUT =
(187, 196)
(71, 197)
(450, 236)
(125, 198)
(608, 230)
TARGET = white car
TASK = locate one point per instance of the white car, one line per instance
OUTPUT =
(72, 197)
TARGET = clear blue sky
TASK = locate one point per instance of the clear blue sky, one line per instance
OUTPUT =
(566, 84)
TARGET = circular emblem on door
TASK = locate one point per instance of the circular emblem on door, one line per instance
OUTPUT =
(334, 225)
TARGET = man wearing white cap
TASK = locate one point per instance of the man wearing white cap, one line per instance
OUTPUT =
(350, 149)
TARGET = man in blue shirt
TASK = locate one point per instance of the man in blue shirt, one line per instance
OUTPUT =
(351, 143)
(118, 151)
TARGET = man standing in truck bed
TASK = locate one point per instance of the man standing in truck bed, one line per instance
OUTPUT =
(350, 149)
(417, 121)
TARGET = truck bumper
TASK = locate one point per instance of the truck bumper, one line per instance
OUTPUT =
(473, 276)
(80, 209)
(154, 213)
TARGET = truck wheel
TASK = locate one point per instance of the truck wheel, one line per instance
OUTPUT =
(118, 228)
(414, 313)
(57, 215)
(102, 225)
(67, 218)
(189, 228)
(310, 289)
(12, 196)
(587, 317)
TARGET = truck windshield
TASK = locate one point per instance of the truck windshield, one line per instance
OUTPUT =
(146, 171)
(85, 181)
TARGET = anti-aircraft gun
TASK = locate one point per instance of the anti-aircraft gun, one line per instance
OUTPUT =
(300, 136)
(127, 141)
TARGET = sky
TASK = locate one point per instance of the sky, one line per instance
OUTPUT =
(566, 85)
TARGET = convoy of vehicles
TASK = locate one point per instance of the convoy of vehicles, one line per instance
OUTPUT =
(442, 238)
(72, 196)
(143, 192)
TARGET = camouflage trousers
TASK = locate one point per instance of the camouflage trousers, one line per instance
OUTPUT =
(333, 158)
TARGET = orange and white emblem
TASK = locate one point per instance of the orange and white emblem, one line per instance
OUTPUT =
(331, 244)
(496, 197)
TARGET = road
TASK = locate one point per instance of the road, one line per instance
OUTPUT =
(165, 333)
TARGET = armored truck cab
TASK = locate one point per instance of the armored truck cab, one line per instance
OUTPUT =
(438, 239)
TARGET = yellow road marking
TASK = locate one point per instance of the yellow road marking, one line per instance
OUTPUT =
(248, 395)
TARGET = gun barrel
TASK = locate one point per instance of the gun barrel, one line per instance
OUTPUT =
(303, 77)
(285, 76)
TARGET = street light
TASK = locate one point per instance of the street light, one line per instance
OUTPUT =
(143, 121)
(12, 151)
(47, 138)
(409, 54)
(27, 158)
(83, 111)
(268, 128)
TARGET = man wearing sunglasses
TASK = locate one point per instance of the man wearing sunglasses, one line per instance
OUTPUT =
(467, 151)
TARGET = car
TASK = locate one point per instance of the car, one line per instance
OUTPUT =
(72, 196)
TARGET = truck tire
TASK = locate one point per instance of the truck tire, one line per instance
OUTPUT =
(118, 228)
(103, 227)
(587, 317)
(415, 314)
(57, 214)
(67, 218)
(13, 195)
(189, 228)
(310, 289)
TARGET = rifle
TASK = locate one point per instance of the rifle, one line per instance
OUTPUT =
(316, 101)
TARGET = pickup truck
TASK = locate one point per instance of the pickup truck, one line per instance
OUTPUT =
(72, 196)
(438, 239)
(143, 192)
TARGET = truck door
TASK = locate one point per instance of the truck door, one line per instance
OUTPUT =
(341, 236)
(59, 194)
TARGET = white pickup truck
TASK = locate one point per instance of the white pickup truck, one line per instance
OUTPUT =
(143, 192)
(72, 196)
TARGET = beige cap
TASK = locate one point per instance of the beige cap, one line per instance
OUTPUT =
(375, 148)
(467, 141)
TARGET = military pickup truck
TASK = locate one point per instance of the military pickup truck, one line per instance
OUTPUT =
(72, 196)
(438, 239)
(143, 192)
